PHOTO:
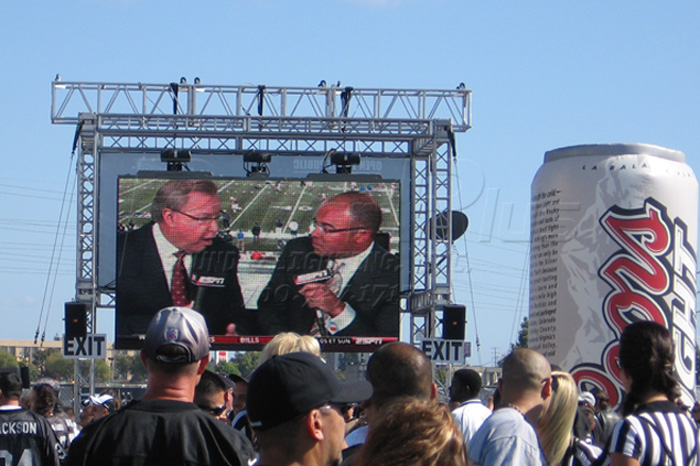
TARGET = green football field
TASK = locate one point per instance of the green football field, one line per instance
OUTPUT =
(277, 206)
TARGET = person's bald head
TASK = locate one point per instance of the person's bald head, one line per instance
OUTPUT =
(525, 370)
(399, 371)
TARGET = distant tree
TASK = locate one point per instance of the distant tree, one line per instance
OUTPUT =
(441, 376)
(243, 363)
(523, 335)
(103, 373)
(129, 367)
(246, 362)
(57, 367)
(521, 342)
(227, 367)
(7, 359)
(40, 357)
(122, 366)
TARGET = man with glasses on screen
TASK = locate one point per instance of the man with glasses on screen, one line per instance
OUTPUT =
(337, 280)
(178, 260)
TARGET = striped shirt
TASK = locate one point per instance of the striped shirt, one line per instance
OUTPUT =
(657, 434)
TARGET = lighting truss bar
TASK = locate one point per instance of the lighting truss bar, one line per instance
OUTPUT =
(145, 118)
(69, 99)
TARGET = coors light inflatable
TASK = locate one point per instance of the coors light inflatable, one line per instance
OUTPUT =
(613, 241)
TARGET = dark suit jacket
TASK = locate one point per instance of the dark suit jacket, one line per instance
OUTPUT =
(373, 292)
(142, 287)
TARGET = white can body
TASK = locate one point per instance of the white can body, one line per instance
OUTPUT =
(613, 240)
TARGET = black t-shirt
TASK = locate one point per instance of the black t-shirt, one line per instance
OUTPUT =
(160, 432)
(26, 438)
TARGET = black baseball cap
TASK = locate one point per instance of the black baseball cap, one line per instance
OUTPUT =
(226, 380)
(289, 386)
(177, 326)
(239, 378)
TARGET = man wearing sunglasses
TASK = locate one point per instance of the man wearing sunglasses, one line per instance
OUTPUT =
(338, 280)
(210, 395)
(295, 405)
(178, 259)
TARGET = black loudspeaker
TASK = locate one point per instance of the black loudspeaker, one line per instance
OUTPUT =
(453, 319)
(76, 320)
(24, 375)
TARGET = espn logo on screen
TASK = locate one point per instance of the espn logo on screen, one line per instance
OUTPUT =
(208, 281)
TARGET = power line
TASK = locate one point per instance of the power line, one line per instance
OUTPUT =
(53, 265)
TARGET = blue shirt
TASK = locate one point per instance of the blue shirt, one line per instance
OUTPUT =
(506, 438)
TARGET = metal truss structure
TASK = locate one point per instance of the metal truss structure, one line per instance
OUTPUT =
(411, 123)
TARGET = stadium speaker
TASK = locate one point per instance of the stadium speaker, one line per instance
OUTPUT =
(453, 318)
(76, 320)
(460, 223)
(24, 375)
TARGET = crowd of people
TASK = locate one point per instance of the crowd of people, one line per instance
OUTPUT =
(293, 410)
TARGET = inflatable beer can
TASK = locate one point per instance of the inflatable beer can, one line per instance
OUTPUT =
(613, 241)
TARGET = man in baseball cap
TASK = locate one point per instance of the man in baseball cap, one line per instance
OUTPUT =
(294, 405)
(165, 427)
(177, 335)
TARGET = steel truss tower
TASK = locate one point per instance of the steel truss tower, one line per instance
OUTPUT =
(412, 123)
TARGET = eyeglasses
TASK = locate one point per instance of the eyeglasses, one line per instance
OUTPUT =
(327, 229)
(217, 218)
(215, 410)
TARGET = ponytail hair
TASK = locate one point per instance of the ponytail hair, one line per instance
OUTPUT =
(646, 354)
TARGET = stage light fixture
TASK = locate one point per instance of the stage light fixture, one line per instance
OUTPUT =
(175, 159)
(255, 163)
(344, 161)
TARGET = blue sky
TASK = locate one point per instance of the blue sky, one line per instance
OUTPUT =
(544, 75)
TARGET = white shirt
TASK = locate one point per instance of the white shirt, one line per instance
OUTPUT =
(10, 408)
(469, 416)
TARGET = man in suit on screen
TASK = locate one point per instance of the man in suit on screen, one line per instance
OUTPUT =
(178, 260)
(337, 280)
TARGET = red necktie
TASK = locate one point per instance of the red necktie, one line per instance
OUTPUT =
(178, 290)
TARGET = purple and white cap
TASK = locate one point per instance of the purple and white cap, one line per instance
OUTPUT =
(177, 326)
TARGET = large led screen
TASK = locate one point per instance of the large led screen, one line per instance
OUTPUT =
(259, 256)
